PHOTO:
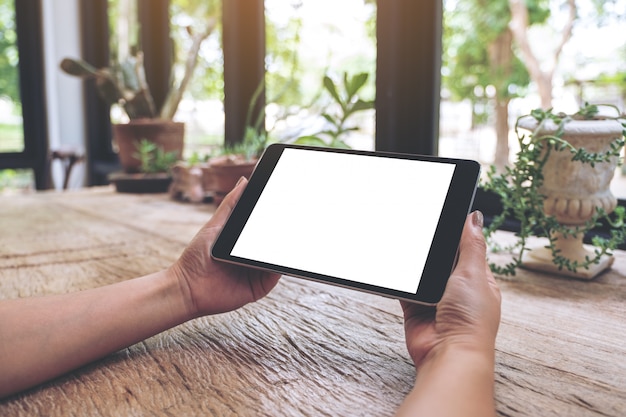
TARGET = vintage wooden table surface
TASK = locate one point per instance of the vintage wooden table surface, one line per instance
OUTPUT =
(305, 350)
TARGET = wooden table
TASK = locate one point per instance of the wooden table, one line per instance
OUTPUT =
(306, 349)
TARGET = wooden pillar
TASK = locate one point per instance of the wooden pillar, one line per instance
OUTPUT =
(156, 44)
(101, 159)
(244, 63)
(408, 76)
(34, 114)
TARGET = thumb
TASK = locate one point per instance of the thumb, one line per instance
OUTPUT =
(472, 248)
(228, 204)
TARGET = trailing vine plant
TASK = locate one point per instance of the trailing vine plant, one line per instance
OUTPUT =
(518, 188)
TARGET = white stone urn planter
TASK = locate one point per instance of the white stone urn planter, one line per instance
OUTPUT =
(573, 191)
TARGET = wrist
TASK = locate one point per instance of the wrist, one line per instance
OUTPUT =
(182, 296)
(474, 357)
(453, 379)
(480, 348)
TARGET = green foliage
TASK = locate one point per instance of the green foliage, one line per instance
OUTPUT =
(538, 11)
(121, 83)
(16, 179)
(153, 158)
(347, 103)
(255, 138)
(189, 16)
(9, 57)
(283, 62)
(124, 81)
(519, 191)
(470, 29)
(252, 146)
(292, 71)
(11, 138)
(196, 158)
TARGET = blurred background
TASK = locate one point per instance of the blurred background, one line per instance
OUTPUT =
(494, 61)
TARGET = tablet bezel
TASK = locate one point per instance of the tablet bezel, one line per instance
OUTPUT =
(443, 250)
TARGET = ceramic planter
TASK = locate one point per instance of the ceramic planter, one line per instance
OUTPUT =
(573, 190)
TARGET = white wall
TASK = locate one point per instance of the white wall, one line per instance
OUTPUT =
(64, 94)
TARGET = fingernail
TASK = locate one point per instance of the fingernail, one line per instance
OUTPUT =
(240, 180)
(478, 218)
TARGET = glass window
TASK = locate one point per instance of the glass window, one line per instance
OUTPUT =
(486, 76)
(202, 107)
(304, 43)
(11, 125)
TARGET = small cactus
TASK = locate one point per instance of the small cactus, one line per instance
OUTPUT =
(125, 83)
(122, 84)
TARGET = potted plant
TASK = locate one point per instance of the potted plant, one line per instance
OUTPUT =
(238, 160)
(346, 104)
(191, 180)
(558, 189)
(124, 83)
(154, 170)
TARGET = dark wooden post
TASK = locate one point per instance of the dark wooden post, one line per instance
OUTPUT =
(156, 44)
(408, 76)
(244, 63)
(32, 91)
(101, 159)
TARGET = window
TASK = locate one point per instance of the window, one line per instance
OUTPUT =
(407, 57)
(11, 123)
(305, 43)
(487, 82)
(23, 143)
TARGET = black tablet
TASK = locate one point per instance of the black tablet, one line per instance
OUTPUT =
(384, 223)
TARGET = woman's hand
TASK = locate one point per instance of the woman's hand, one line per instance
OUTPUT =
(468, 314)
(453, 345)
(212, 287)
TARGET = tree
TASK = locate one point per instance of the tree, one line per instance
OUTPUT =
(191, 19)
(541, 70)
(478, 57)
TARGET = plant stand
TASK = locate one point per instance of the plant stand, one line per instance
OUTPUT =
(571, 247)
(140, 183)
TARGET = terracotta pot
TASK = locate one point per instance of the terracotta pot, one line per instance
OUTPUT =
(225, 172)
(166, 134)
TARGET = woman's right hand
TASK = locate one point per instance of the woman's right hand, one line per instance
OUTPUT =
(468, 314)
(453, 345)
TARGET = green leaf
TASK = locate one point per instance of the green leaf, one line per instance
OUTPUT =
(354, 85)
(338, 143)
(330, 119)
(311, 141)
(362, 105)
(329, 84)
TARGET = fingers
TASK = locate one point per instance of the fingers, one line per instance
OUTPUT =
(227, 205)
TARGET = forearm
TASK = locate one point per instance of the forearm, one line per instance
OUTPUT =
(454, 382)
(44, 337)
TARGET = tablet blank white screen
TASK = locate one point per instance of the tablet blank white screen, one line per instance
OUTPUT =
(360, 218)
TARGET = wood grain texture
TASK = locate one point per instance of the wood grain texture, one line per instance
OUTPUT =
(305, 350)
